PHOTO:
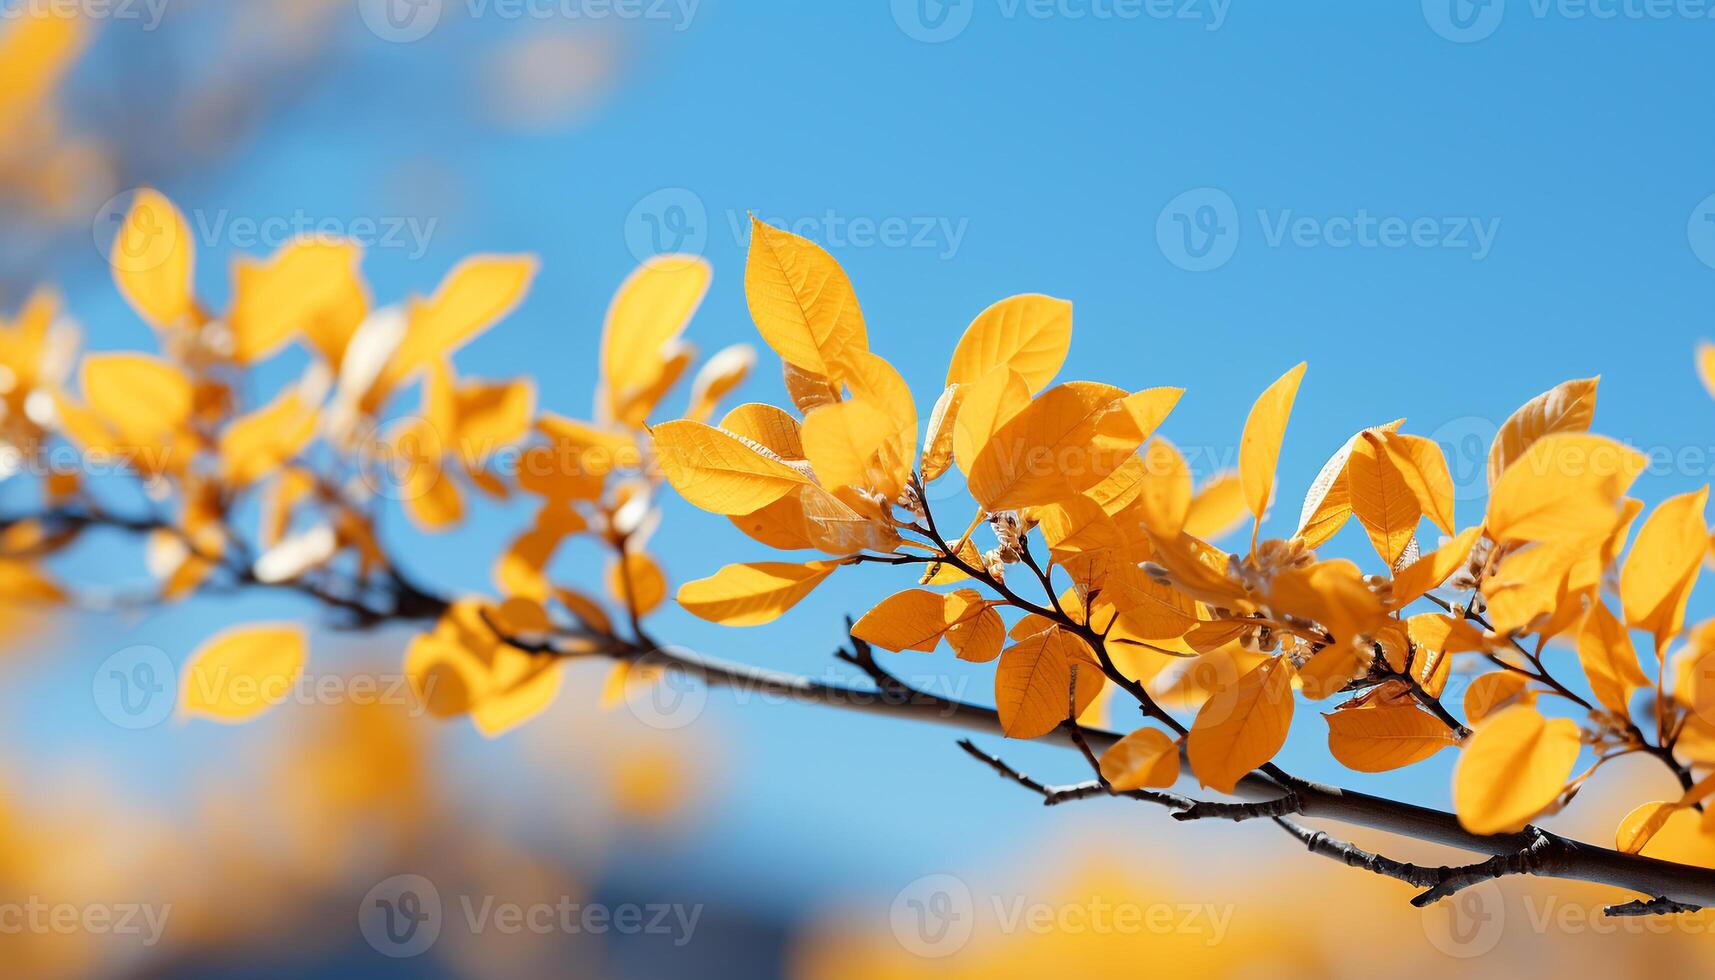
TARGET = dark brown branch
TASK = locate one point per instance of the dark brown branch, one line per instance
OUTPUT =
(1655, 906)
(1238, 812)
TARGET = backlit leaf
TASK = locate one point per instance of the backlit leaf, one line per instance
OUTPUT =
(1513, 769)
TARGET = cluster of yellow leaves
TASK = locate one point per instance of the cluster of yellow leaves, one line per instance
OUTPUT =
(1076, 462)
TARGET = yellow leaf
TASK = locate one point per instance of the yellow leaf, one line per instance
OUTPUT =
(1145, 759)
(525, 698)
(1164, 500)
(1381, 498)
(1495, 692)
(977, 637)
(852, 444)
(802, 302)
(992, 401)
(1043, 680)
(1030, 333)
(1217, 509)
(1259, 446)
(306, 280)
(154, 260)
(1566, 485)
(1329, 501)
(1242, 725)
(1430, 570)
(637, 582)
(242, 672)
(1567, 407)
(752, 594)
(1662, 567)
(719, 472)
(938, 440)
(909, 620)
(771, 428)
(473, 297)
(649, 312)
(1610, 660)
(446, 678)
(255, 445)
(1512, 769)
(144, 400)
(1380, 737)
(1066, 441)
(1424, 467)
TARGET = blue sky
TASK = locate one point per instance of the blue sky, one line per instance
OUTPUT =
(1441, 227)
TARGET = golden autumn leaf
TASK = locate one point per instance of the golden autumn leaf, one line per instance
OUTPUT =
(1495, 692)
(649, 312)
(851, 443)
(1656, 580)
(1564, 486)
(1242, 725)
(476, 294)
(1424, 468)
(1429, 571)
(911, 620)
(990, 402)
(154, 260)
(1383, 736)
(802, 302)
(1030, 334)
(774, 429)
(1164, 494)
(1706, 365)
(255, 445)
(306, 280)
(1066, 441)
(519, 700)
(1610, 660)
(1042, 681)
(1328, 502)
(1145, 759)
(1567, 407)
(242, 672)
(1264, 433)
(938, 439)
(976, 635)
(1217, 508)
(752, 594)
(637, 582)
(720, 472)
(719, 377)
(1381, 498)
(1512, 769)
(143, 400)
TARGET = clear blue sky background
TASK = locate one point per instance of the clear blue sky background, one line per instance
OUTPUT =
(1054, 144)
